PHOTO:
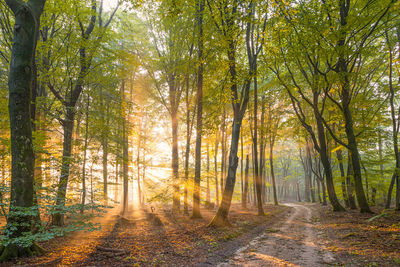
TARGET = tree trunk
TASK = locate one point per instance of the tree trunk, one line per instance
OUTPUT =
(339, 157)
(271, 163)
(138, 168)
(298, 191)
(262, 150)
(241, 169)
(223, 148)
(117, 156)
(199, 101)
(105, 169)
(257, 176)
(27, 17)
(390, 190)
(208, 197)
(319, 189)
(68, 127)
(125, 153)
(221, 218)
(349, 182)
(187, 151)
(246, 183)
(323, 151)
(216, 170)
(239, 108)
(345, 94)
(85, 147)
(395, 129)
(175, 161)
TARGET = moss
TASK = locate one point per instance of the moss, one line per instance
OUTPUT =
(12, 251)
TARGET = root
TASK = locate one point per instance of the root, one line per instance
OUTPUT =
(219, 221)
(12, 251)
(104, 249)
(54, 262)
(126, 221)
(111, 252)
(196, 216)
(38, 249)
(154, 219)
(9, 252)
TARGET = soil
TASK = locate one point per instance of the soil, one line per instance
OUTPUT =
(288, 235)
(292, 242)
(361, 239)
(156, 237)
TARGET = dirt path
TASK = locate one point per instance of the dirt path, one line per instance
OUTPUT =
(293, 243)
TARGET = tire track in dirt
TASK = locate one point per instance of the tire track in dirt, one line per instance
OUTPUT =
(294, 243)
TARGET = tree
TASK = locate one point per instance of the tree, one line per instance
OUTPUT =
(70, 101)
(227, 27)
(170, 39)
(199, 99)
(27, 21)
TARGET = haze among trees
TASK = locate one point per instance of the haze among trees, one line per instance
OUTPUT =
(190, 110)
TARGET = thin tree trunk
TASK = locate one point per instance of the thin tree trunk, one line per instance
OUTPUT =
(216, 169)
(138, 168)
(175, 161)
(241, 169)
(199, 101)
(221, 218)
(85, 147)
(246, 183)
(208, 196)
(339, 156)
(336, 206)
(271, 163)
(262, 150)
(68, 127)
(349, 182)
(257, 176)
(125, 153)
(395, 131)
(223, 148)
(342, 69)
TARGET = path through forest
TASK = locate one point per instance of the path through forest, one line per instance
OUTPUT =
(293, 243)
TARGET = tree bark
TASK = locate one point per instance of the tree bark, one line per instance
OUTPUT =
(342, 70)
(257, 176)
(325, 159)
(85, 147)
(68, 127)
(339, 157)
(246, 183)
(125, 153)
(350, 185)
(208, 196)
(221, 218)
(216, 170)
(175, 161)
(27, 20)
(271, 163)
(241, 170)
(395, 131)
(199, 101)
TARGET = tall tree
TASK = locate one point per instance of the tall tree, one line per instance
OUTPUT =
(199, 101)
(71, 99)
(227, 27)
(27, 20)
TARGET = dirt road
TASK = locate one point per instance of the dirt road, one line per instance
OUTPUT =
(292, 243)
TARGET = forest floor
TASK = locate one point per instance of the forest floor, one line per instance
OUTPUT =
(357, 240)
(146, 238)
(289, 235)
(313, 235)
